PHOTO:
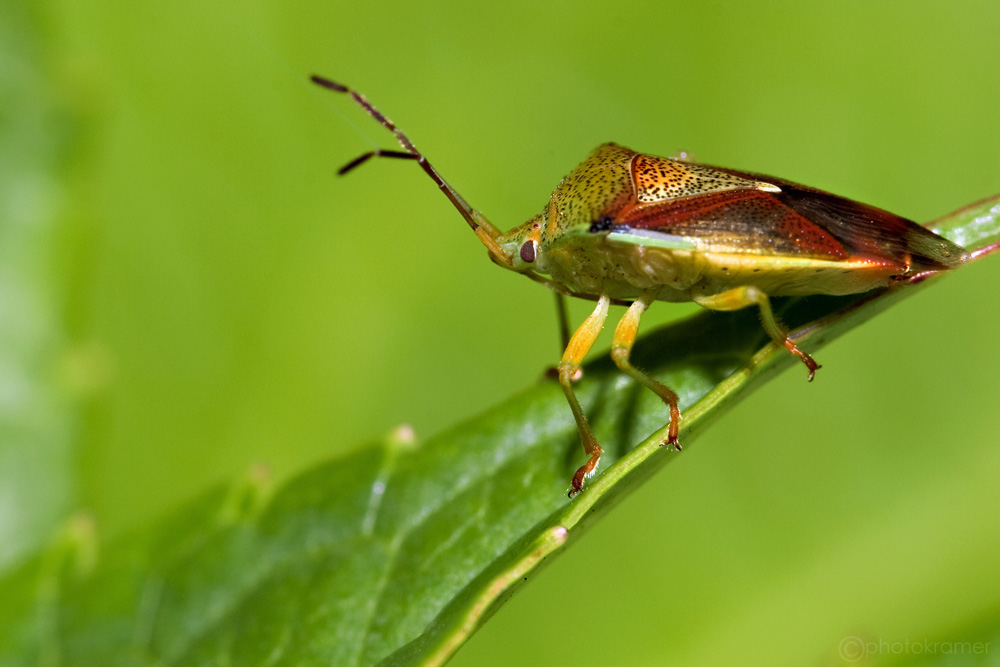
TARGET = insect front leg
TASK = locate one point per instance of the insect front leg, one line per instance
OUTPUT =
(579, 344)
(748, 295)
(563, 317)
(621, 350)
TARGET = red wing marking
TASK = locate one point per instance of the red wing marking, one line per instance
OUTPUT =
(796, 221)
(744, 221)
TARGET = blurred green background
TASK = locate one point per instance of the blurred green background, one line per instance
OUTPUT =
(208, 296)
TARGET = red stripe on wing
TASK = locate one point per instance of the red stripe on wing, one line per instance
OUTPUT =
(744, 221)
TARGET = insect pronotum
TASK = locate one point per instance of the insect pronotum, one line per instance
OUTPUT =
(624, 227)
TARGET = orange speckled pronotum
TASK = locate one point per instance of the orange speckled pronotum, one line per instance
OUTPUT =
(629, 228)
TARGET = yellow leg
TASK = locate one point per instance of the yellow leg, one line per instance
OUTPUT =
(621, 349)
(740, 297)
(579, 344)
(561, 314)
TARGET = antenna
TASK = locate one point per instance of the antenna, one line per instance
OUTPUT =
(486, 232)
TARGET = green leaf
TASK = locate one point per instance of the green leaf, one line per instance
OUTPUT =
(401, 550)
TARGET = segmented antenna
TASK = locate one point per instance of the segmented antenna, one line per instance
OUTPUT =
(487, 236)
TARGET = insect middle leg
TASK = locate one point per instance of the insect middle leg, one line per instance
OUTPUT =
(579, 344)
(748, 295)
(621, 350)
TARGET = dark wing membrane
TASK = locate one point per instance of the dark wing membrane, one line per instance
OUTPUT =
(873, 232)
(797, 221)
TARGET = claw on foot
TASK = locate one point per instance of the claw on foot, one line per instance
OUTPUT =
(584, 471)
(804, 357)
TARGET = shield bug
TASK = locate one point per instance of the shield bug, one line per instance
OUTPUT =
(629, 228)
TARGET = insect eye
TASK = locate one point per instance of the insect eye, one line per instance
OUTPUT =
(528, 251)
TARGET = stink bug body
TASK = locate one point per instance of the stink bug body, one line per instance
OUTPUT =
(629, 228)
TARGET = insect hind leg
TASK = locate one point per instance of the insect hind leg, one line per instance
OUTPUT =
(748, 295)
